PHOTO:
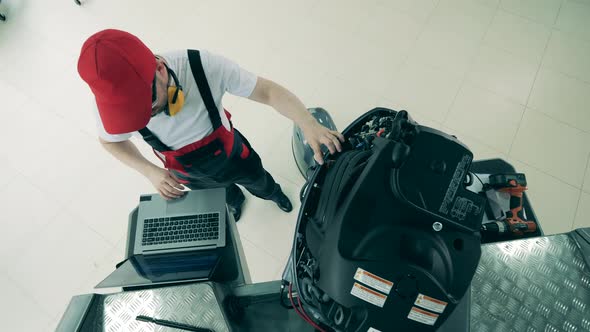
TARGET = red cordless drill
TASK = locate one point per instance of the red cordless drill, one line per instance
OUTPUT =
(515, 185)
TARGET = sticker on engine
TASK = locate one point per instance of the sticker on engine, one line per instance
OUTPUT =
(372, 330)
(430, 303)
(463, 207)
(454, 185)
(368, 295)
(374, 281)
(422, 316)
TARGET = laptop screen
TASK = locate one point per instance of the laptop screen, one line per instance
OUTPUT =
(142, 270)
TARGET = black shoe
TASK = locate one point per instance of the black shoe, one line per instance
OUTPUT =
(236, 207)
(236, 212)
(282, 201)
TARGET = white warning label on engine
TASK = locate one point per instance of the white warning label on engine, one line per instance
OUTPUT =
(430, 303)
(372, 330)
(368, 295)
(422, 316)
(372, 280)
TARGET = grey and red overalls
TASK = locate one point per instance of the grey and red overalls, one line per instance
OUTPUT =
(221, 159)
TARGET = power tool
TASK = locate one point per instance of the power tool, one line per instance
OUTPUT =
(514, 223)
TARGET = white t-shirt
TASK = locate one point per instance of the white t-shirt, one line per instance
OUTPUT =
(192, 123)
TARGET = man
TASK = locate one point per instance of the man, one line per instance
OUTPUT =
(173, 101)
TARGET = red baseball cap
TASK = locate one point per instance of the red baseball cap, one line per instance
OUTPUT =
(119, 69)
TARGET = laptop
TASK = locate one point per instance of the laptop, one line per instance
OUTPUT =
(194, 221)
(159, 269)
(174, 240)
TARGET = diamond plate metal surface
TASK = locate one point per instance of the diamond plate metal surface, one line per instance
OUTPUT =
(533, 285)
(194, 304)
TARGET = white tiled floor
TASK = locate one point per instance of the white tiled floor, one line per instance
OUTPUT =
(511, 78)
(476, 111)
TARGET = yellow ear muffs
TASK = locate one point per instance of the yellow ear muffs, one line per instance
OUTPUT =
(175, 100)
(175, 95)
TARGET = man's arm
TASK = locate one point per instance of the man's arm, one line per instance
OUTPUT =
(164, 181)
(286, 103)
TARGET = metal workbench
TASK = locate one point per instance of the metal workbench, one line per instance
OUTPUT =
(535, 284)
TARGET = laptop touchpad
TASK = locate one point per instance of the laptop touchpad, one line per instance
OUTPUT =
(179, 205)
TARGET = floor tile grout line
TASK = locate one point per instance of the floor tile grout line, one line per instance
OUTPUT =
(506, 50)
(30, 296)
(41, 228)
(519, 103)
(259, 247)
(112, 244)
(496, 93)
(568, 75)
(297, 186)
(477, 139)
(53, 219)
(406, 58)
(508, 98)
(576, 37)
(23, 102)
(62, 207)
(63, 204)
(586, 174)
(524, 17)
(530, 93)
(418, 35)
(558, 12)
(464, 80)
(528, 18)
(552, 29)
(573, 35)
(486, 89)
(517, 130)
(560, 121)
(546, 173)
(36, 99)
(576, 209)
(500, 9)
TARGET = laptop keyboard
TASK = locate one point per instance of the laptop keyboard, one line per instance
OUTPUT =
(199, 227)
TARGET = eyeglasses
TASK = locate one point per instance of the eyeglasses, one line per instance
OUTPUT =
(154, 96)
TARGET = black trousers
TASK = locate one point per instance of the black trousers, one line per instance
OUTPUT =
(210, 167)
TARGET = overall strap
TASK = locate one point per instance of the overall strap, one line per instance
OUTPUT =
(194, 58)
(153, 140)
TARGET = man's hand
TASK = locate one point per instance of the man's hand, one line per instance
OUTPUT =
(316, 135)
(286, 103)
(167, 184)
